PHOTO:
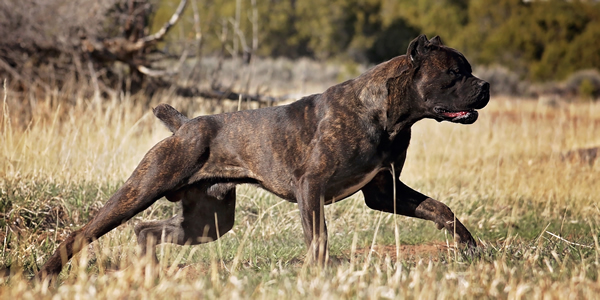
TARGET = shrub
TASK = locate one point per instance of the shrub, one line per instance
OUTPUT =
(502, 80)
(585, 84)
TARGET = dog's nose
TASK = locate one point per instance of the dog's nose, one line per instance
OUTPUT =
(484, 94)
(484, 85)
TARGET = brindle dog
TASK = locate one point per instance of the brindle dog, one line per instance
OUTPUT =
(315, 151)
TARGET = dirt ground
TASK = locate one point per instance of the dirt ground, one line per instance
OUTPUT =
(423, 251)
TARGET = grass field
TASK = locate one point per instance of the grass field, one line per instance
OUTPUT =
(535, 216)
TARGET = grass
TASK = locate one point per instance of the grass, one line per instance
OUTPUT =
(535, 216)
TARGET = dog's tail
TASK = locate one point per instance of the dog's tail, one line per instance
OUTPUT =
(172, 118)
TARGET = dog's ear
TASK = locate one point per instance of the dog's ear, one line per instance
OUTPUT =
(436, 41)
(417, 48)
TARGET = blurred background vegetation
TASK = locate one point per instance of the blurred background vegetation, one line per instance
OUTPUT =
(219, 48)
(539, 40)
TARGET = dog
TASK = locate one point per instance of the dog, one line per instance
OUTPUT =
(314, 152)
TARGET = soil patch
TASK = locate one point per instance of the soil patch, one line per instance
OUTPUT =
(427, 251)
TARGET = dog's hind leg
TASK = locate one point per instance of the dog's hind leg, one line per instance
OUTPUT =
(160, 171)
(205, 218)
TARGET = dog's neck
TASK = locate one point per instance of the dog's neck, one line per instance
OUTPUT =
(389, 98)
(401, 114)
(400, 105)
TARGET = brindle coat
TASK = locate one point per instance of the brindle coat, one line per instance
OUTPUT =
(315, 151)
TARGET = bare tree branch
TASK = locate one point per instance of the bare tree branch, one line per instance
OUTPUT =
(158, 73)
(24, 81)
(161, 33)
(254, 27)
(197, 27)
(47, 43)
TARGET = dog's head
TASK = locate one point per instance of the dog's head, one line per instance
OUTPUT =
(443, 82)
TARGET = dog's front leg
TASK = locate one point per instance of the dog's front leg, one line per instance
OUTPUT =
(379, 195)
(311, 206)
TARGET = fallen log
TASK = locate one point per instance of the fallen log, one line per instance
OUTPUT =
(230, 95)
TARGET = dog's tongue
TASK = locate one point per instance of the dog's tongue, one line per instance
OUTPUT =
(455, 114)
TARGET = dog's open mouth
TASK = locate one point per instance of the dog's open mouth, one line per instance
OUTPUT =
(462, 116)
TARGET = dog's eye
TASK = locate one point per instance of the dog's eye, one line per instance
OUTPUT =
(453, 73)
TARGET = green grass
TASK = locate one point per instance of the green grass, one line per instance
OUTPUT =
(267, 242)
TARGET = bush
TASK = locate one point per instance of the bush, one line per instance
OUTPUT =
(502, 80)
(585, 84)
(586, 89)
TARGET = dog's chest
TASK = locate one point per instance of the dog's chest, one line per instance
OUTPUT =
(345, 190)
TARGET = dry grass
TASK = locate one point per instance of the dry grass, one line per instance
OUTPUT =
(503, 176)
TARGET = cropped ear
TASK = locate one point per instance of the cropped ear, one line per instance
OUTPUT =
(436, 40)
(417, 48)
